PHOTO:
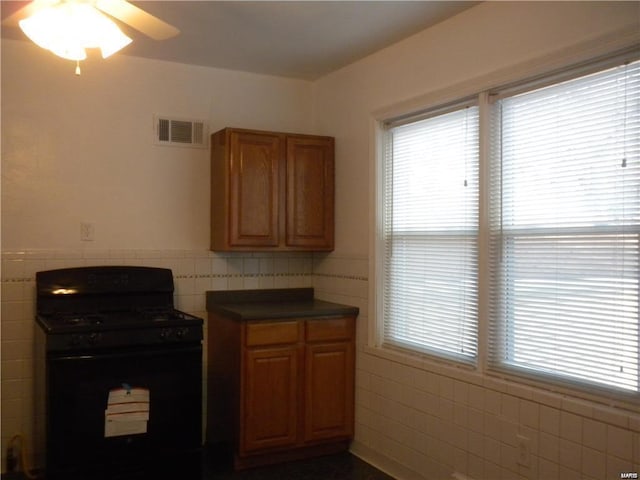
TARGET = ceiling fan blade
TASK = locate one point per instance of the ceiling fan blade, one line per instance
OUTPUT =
(138, 19)
(26, 11)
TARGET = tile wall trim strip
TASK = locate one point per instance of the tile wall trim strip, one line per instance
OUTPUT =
(228, 275)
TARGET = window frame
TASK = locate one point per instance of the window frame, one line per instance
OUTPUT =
(501, 330)
(386, 143)
(487, 90)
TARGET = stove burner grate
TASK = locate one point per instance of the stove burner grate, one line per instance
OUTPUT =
(81, 319)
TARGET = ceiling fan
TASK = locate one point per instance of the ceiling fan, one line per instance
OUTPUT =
(67, 27)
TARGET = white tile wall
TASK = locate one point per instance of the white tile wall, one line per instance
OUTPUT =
(420, 420)
(194, 272)
(415, 420)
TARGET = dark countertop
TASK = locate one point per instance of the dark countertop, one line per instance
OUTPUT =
(273, 303)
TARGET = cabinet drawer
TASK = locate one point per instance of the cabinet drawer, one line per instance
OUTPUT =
(272, 333)
(329, 329)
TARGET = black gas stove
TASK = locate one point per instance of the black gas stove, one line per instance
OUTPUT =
(123, 375)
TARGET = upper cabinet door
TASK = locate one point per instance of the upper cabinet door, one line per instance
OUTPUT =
(254, 183)
(310, 192)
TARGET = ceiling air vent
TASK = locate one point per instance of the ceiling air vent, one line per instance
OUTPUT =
(180, 132)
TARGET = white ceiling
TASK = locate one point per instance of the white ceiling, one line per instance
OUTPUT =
(299, 39)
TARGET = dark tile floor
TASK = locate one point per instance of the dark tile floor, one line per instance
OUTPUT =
(342, 466)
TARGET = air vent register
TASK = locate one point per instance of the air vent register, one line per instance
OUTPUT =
(180, 132)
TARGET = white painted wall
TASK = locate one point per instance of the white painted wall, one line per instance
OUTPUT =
(81, 148)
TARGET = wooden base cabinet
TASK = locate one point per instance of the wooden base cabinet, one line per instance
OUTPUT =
(271, 191)
(281, 390)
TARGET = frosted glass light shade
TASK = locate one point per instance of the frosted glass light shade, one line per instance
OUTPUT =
(69, 27)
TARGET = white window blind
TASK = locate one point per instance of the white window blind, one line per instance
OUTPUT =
(565, 226)
(430, 235)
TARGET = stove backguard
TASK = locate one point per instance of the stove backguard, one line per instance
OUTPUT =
(103, 288)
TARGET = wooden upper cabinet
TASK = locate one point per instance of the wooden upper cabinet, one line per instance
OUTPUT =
(271, 191)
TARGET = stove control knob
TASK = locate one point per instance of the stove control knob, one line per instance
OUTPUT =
(181, 333)
(75, 340)
(165, 334)
(93, 338)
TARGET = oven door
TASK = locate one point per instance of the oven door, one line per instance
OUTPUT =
(157, 435)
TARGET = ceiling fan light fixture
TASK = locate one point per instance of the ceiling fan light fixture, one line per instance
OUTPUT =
(68, 28)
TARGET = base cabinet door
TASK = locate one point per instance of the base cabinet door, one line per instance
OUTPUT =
(270, 400)
(329, 391)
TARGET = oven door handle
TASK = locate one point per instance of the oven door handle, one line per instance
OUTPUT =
(132, 353)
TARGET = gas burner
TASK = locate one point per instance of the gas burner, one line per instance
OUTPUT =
(82, 319)
(155, 314)
(162, 315)
(158, 316)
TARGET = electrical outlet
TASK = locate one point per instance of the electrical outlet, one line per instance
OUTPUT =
(524, 451)
(12, 460)
(87, 232)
